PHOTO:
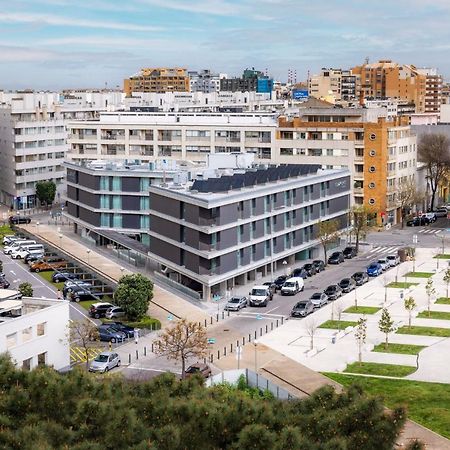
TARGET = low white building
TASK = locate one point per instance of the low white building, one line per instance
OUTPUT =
(34, 332)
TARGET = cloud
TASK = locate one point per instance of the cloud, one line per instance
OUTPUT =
(54, 20)
(22, 54)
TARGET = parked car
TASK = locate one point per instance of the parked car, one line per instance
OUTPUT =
(360, 278)
(418, 221)
(78, 293)
(78, 283)
(115, 312)
(15, 245)
(19, 253)
(279, 281)
(302, 309)
(259, 296)
(107, 333)
(431, 216)
(310, 269)
(299, 272)
(9, 238)
(236, 303)
(393, 260)
(318, 299)
(374, 269)
(319, 265)
(349, 252)
(441, 212)
(48, 263)
(336, 258)
(292, 286)
(199, 368)
(272, 286)
(333, 292)
(14, 220)
(119, 326)
(98, 310)
(347, 284)
(384, 264)
(4, 283)
(59, 277)
(32, 257)
(104, 362)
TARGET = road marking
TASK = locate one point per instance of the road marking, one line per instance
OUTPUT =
(273, 309)
(152, 370)
(12, 271)
(77, 354)
(82, 313)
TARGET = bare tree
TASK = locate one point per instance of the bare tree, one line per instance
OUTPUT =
(434, 152)
(361, 335)
(430, 290)
(311, 329)
(81, 334)
(339, 310)
(447, 279)
(182, 341)
(360, 215)
(410, 305)
(328, 231)
(407, 197)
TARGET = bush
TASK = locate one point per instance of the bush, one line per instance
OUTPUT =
(26, 289)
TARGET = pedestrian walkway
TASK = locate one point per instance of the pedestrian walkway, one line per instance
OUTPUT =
(429, 231)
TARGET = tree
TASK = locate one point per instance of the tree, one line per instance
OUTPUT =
(182, 341)
(83, 332)
(433, 150)
(133, 294)
(410, 305)
(339, 310)
(407, 197)
(361, 336)
(360, 215)
(311, 329)
(386, 325)
(430, 290)
(446, 278)
(26, 289)
(328, 231)
(46, 191)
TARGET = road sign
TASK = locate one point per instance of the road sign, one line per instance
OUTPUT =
(211, 340)
(170, 317)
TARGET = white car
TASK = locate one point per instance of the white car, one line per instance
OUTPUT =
(115, 312)
(105, 361)
(20, 253)
(393, 260)
(384, 263)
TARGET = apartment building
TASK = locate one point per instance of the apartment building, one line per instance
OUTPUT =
(380, 154)
(251, 80)
(433, 89)
(205, 81)
(234, 227)
(181, 136)
(160, 79)
(335, 85)
(113, 195)
(34, 332)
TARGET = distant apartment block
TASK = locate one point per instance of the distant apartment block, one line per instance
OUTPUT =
(251, 80)
(205, 81)
(160, 79)
(335, 85)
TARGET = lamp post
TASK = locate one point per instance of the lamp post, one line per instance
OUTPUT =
(60, 239)
(88, 251)
(255, 343)
(285, 267)
(415, 240)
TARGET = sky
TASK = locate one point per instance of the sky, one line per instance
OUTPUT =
(56, 44)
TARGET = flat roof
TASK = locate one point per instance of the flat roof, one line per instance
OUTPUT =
(8, 293)
(8, 305)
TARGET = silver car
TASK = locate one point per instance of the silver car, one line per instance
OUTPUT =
(105, 361)
(115, 312)
(318, 299)
(236, 303)
(393, 260)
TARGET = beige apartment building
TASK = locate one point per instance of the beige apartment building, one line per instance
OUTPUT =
(160, 79)
(335, 85)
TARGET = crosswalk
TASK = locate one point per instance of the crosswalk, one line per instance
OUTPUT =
(382, 250)
(429, 231)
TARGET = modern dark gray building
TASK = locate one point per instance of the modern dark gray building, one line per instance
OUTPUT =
(215, 233)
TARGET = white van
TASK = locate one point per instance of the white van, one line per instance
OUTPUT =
(259, 296)
(292, 285)
(25, 250)
(7, 250)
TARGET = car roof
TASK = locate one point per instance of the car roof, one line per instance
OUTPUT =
(101, 304)
(107, 353)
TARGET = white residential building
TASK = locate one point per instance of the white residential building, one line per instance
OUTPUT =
(34, 332)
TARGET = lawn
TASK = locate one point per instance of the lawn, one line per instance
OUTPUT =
(362, 309)
(443, 301)
(338, 324)
(87, 303)
(391, 370)
(427, 403)
(419, 274)
(145, 322)
(401, 284)
(404, 349)
(442, 256)
(434, 315)
(47, 276)
(425, 331)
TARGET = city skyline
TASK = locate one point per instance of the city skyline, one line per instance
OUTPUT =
(50, 44)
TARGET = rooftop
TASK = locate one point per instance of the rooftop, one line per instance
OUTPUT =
(14, 308)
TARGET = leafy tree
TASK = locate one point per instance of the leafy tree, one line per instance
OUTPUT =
(328, 231)
(446, 278)
(182, 341)
(386, 325)
(26, 289)
(433, 150)
(133, 294)
(410, 305)
(407, 197)
(360, 215)
(46, 191)
(83, 332)
(430, 290)
(361, 336)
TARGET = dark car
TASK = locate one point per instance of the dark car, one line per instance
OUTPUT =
(19, 219)
(119, 326)
(441, 212)
(4, 283)
(299, 272)
(347, 284)
(109, 334)
(333, 292)
(279, 281)
(336, 258)
(98, 310)
(302, 309)
(349, 252)
(202, 369)
(272, 286)
(319, 265)
(58, 277)
(360, 278)
(78, 293)
(310, 269)
(32, 257)
(418, 221)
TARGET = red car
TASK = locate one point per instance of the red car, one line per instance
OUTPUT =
(203, 369)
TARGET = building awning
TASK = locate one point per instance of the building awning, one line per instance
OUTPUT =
(123, 240)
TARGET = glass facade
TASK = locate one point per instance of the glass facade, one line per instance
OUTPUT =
(145, 222)
(104, 201)
(104, 183)
(117, 220)
(116, 183)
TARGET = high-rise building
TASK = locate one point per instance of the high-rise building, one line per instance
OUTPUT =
(433, 89)
(161, 79)
(205, 81)
(335, 85)
(251, 80)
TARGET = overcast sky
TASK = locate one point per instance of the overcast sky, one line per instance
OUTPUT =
(54, 44)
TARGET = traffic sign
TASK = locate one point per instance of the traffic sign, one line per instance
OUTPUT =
(170, 317)
(211, 340)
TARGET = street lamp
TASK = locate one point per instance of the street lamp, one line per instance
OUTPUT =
(255, 343)
(285, 267)
(122, 270)
(60, 239)
(88, 251)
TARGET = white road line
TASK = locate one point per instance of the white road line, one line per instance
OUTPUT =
(151, 370)
(421, 231)
(374, 250)
(12, 271)
(273, 309)
(438, 231)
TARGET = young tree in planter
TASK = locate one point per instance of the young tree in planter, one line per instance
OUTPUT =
(361, 336)
(360, 221)
(133, 294)
(182, 341)
(446, 279)
(46, 191)
(386, 325)
(311, 329)
(83, 332)
(410, 305)
(339, 310)
(430, 290)
(327, 233)
(26, 289)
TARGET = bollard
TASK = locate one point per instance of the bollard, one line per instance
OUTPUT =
(228, 313)
(129, 358)
(282, 320)
(217, 317)
(260, 331)
(243, 340)
(199, 324)
(266, 329)
(255, 334)
(211, 320)
(224, 351)
(145, 351)
(277, 323)
(223, 315)
(137, 354)
(152, 348)
(231, 348)
(249, 338)
(205, 323)
(218, 354)
(271, 326)
(237, 343)
(211, 357)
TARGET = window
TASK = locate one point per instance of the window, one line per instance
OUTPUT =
(117, 220)
(144, 203)
(11, 340)
(26, 364)
(371, 185)
(117, 202)
(372, 153)
(105, 220)
(116, 183)
(144, 184)
(372, 201)
(372, 136)
(104, 183)
(41, 328)
(145, 222)
(104, 201)
(372, 169)
(27, 334)
(42, 359)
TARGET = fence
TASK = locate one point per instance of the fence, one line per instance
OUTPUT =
(174, 284)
